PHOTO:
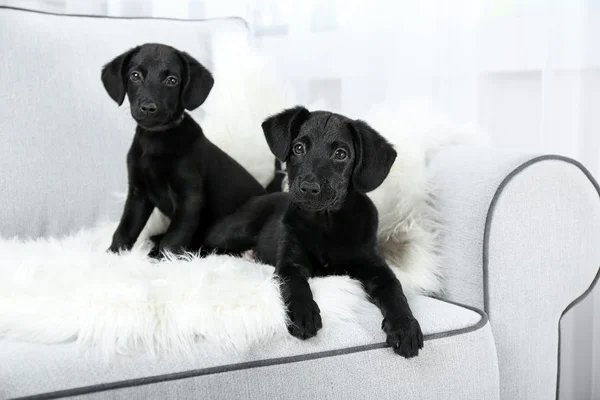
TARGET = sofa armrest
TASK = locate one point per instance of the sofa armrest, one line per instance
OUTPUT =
(523, 243)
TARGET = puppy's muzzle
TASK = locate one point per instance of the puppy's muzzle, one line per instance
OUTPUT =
(311, 195)
(148, 108)
(310, 188)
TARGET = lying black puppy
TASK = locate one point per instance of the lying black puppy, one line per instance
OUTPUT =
(171, 164)
(325, 225)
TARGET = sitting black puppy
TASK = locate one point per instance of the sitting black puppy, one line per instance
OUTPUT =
(325, 225)
(171, 164)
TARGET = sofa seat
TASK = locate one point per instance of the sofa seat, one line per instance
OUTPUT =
(349, 360)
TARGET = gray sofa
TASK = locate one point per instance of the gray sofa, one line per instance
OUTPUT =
(522, 245)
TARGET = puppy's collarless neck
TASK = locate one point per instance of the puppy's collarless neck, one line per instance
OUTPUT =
(162, 128)
(352, 198)
(179, 139)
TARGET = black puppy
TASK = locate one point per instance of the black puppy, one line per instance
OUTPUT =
(171, 165)
(325, 225)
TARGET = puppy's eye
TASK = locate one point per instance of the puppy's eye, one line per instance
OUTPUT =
(299, 149)
(135, 76)
(340, 154)
(171, 81)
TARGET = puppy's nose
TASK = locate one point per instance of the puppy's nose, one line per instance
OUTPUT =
(310, 187)
(148, 108)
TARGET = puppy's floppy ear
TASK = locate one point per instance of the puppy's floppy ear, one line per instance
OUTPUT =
(114, 76)
(198, 82)
(281, 129)
(374, 157)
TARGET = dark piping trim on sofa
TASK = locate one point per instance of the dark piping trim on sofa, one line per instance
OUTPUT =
(486, 239)
(102, 387)
(574, 303)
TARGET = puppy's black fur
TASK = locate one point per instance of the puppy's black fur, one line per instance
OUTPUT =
(326, 225)
(171, 165)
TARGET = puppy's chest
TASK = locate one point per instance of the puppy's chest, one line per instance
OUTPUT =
(334, 248)
(158, 180)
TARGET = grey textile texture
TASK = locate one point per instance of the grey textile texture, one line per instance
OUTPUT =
(70, 103)
(466, 179)
(30, 369)
(541, 253)
(539, 262)
(461, 367)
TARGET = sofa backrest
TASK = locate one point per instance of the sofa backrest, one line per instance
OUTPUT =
(63, 140)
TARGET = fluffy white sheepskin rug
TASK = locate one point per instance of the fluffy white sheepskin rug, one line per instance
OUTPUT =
(69, 289)
(410, 228)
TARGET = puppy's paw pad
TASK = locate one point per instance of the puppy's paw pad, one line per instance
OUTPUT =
(404, 335)
(305, 319)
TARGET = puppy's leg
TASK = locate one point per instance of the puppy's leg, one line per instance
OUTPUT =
(402, 329)
(155, 240)
(294, 268)
(135, 215)
(180, 233)
(233, 233)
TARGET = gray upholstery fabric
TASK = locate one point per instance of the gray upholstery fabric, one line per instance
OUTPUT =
(466, 179)
(540, 253)
(539, 262)
(28, 369)
(63, 139)
(461, 367)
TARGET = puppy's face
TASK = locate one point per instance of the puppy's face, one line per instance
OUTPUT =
(320, 162)
(328, 156)
(159, 81)
(154, 78)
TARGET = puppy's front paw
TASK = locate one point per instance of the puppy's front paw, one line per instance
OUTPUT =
(305, 318)
(404, 335)
(117, 247)
(155, 253)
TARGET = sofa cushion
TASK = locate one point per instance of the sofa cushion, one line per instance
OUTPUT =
(458, 350)
(64, 141)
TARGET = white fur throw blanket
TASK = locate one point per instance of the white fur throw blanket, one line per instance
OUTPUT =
(69, 289)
